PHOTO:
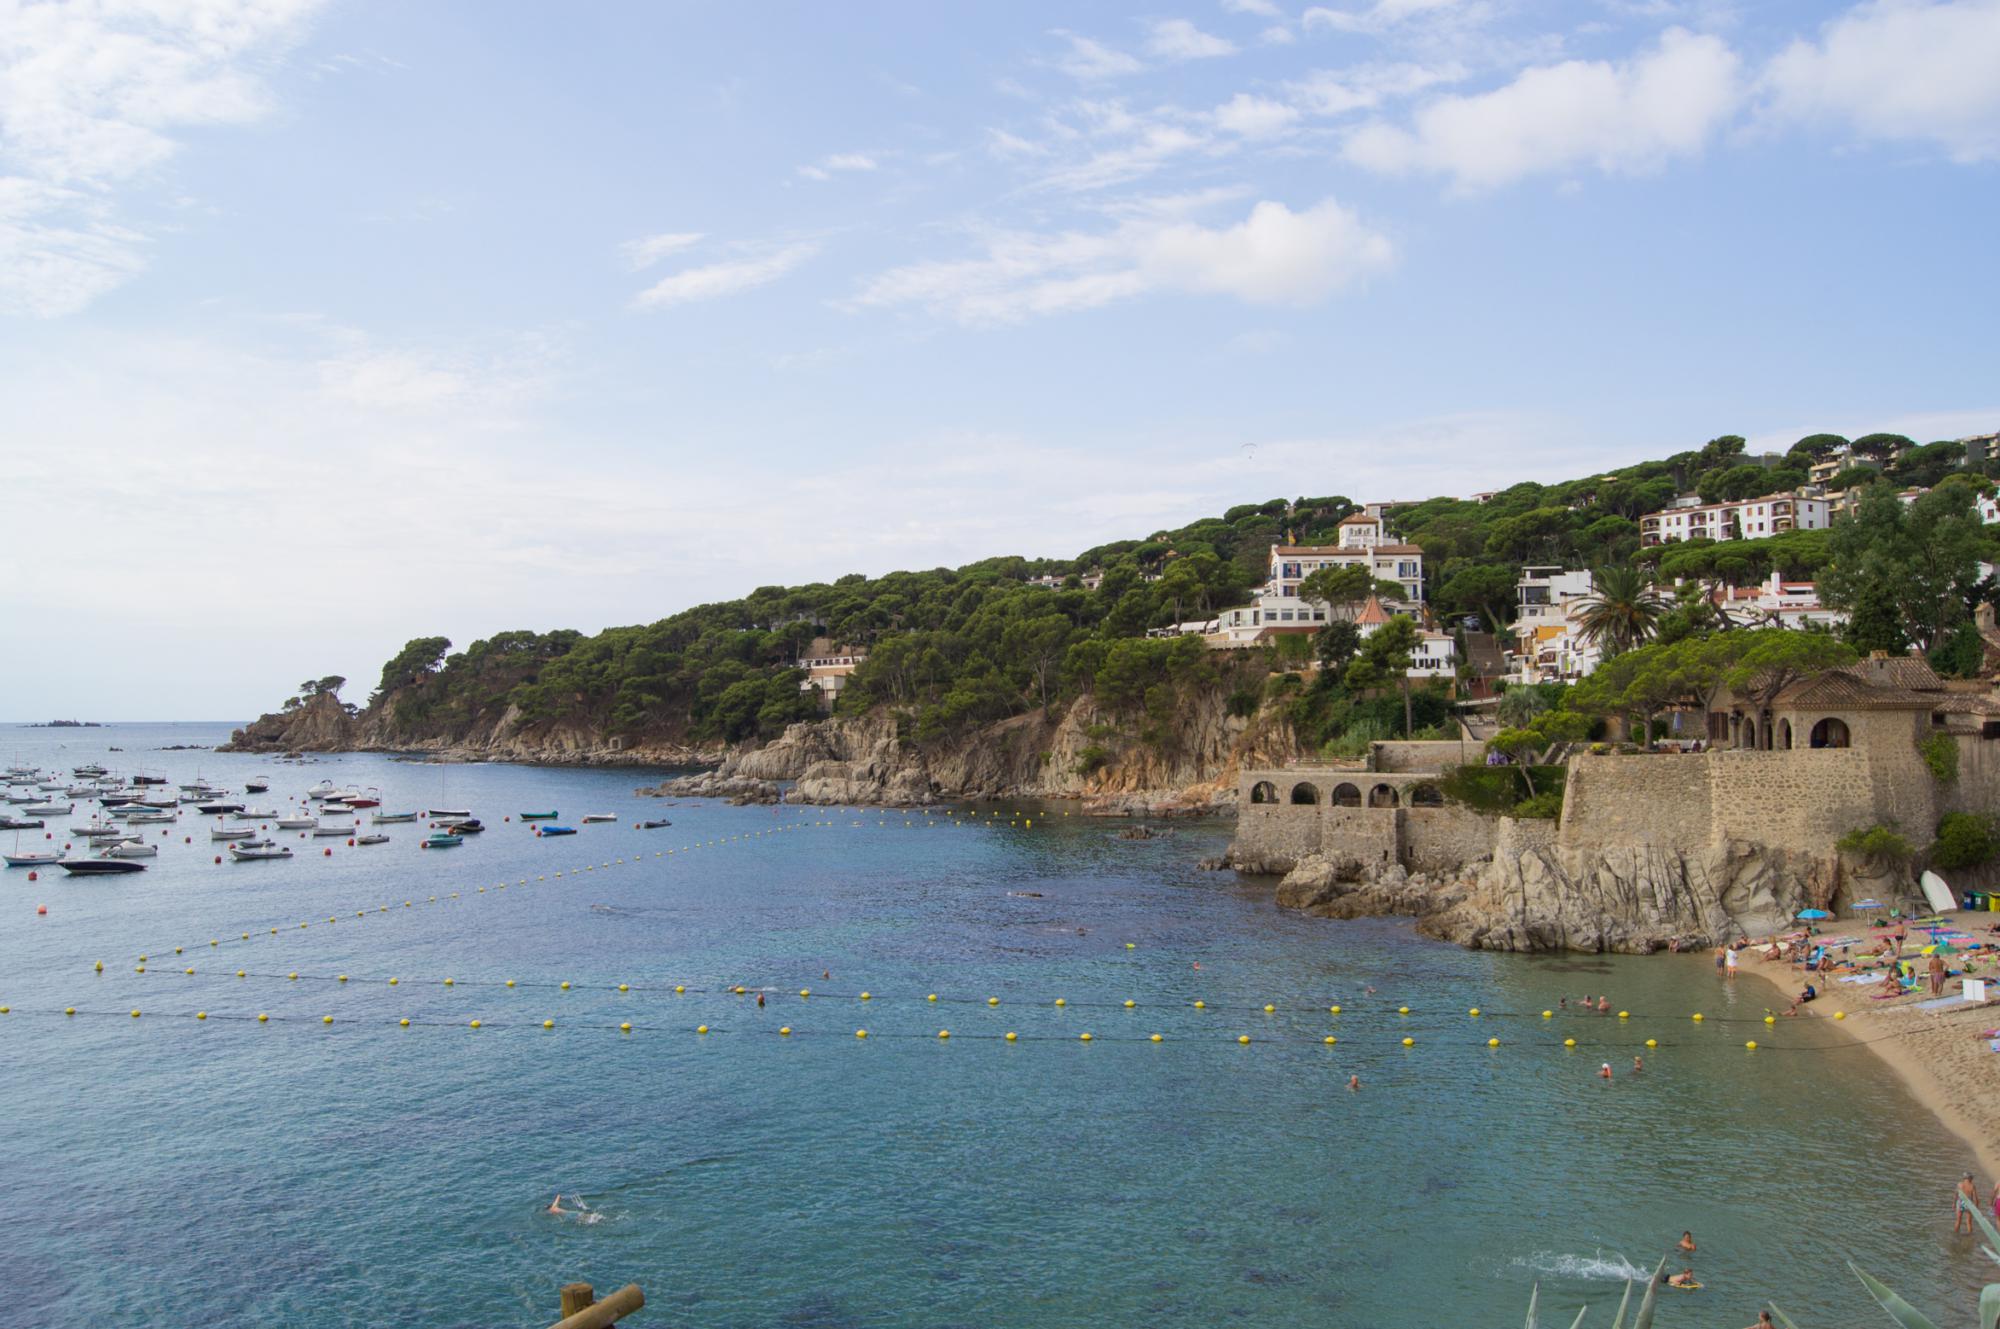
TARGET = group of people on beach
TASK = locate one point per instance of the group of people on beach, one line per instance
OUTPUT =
(1686, 1281)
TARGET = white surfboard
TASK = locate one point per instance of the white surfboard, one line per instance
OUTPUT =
(1939, 894)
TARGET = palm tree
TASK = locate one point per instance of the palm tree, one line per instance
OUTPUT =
(1621, 612)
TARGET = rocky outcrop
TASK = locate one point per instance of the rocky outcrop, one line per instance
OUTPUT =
(735, 788)
(323, 724)
(1535, 897)
(318, 724)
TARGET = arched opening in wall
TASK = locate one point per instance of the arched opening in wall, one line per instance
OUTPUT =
(1749, 735)
(1785, 734)
(1829, 733)
(1263, 792)
(1425, 796)
(1346, 796)
(1304, 792)
(1382, 796)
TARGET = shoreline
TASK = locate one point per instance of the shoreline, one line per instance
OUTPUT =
(1933, 1054)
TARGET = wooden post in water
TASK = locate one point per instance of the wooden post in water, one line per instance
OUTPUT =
(581, 1312)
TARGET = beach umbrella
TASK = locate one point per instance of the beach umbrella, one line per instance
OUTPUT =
(1861, 906)
(1814, 913)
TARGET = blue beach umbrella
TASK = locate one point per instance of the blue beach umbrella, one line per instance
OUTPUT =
(1814, 913)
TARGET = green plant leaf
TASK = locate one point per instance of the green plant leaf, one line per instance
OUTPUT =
(1783, 1318)
(1534, 1295)
(1902, 1312)
(1989, 1306)
(1644, 1319)
(1578, 1321)
(1618, 1321)
(1985, 1224)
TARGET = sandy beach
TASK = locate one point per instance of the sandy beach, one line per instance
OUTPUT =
(1937, 1053)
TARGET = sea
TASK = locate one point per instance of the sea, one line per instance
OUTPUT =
(329, 1164)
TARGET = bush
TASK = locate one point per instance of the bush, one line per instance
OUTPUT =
(1354, 741)
(1500, 789)
(1964, 840)
(1882, 844)
(1242, 703)
(1547, 805)
(1940, 754)
(1091, 760)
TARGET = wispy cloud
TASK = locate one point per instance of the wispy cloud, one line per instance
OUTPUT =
(825, 168)
(1178, 39)
(645, 252)
(1273, 256)
(1261, 8)
(1089, 60)
(713, 280)
(92, 97)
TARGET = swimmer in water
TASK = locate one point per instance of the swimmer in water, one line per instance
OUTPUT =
(1354, 1082)
(1638, 1064)
(1686, 1242)
(760, 1001)
(555, 1207)
(1605, 1072)
(1685, 1278)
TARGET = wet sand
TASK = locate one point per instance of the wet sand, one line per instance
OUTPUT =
(1937, 1053)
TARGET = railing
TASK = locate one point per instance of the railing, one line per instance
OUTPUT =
(581, 1310)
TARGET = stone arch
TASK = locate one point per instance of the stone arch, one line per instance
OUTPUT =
(1263, 792)
(1382, 796)
(1829, 733)
(1785, 734)
(1346, 795)
(1305, 792)
(1749, 736)
(1426, 796)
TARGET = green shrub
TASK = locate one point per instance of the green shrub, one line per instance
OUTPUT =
(1354, 741)
(1964, 840)
(1882, 844)
(1091, 760)
(1242, 703)
(1547, 805)
(1940, 754)
(1500, 789)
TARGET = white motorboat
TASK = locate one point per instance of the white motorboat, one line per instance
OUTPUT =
(296, 823)
(592, 818)
(90, 769)
(132, 849)
(48, 809)
(28, 797)
(328, 832)
(96, 830)
(231, 833)
(247, 853)
(371, 839)
(324, 789)
(150, 818)
(253, 814)
(257, 784)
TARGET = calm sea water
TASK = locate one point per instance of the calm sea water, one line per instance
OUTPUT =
(171, 1171)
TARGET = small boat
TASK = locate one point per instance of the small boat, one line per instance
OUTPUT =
(449, 814)
(443, 841)
(90, 770)
(328, 832)
(28, 797)
(149, 779)
(150, 818)
(246, 853)
(231, 833)
(132, 849)
(18, 824)
(389, 818)
(48, 809)
(371, 839)
(259, 785)
(324, 789)
(555, 830)
(253, 814)
(98, 867)
(361, 801)
(261, 842)
(32, 860)
(593, 818)
(536, 816)
(654, 825)
(470, 826)
(296, 823)
(156, 804)
(97, 831)
(219, 809)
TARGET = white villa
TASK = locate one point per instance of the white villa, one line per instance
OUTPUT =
(1548, 648)
(1750, 519)
(1278, 610)
(828, 669)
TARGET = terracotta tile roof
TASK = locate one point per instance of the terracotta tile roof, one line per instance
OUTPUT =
(1903, 671)
(1372, 614)
(1360, 519)
(1839, 690)
(1398, 549)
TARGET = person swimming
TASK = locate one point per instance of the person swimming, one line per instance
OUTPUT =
(555, 1207)
(1604, 1073)
(1354, 1082)
(1685, 1278)
(1686, 1242)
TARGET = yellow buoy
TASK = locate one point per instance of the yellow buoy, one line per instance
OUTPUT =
(69, 1010)
(1061, 1002)
(1402, 1010)
(679, 988)
(100, 966)
(1243, 1038)
(565, 985)
(623, 988)
(262, 1018)
(861, 1033)
(786, 1030)
(510, 982)
(1269, 1008)
(447, 982)
(1474, 1011)
(1128, 945)
(1624, 1015)
(701, 1029)
(475, 1024)
(944, 1033)
(1156, 1038)
(1697, 1015)
(240, 974)
(326, 1019)
(1770, 1019)
(1548, 1015)
(1010, 1035)
(1130, 1004)
(1201, 1005)
(294, 976)
(1333, 1010)
(392, 982)
(1569, 1042)
(1840, 1015)
(1752, 1045)
(625, 1027)
(1083, 1037)
(931, 997)
(805, 992)
(991, 1001)
(405, 1022)
(199, 1015)
(867, 996)
(1652, 1042)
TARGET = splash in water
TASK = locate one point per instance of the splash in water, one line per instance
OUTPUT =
(1594, 1267)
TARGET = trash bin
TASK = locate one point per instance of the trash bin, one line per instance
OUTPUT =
(1975, 899)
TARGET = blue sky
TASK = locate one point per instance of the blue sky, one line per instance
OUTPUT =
(325, 324)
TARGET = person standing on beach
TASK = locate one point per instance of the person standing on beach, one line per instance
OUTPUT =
(1962, 1201)
(1935, 969)
(1729, 962)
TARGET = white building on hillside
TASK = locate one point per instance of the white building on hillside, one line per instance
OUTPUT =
(1548, 646)
(1750, 519)
(827, 669)
(1776, 602)
(1278, 610)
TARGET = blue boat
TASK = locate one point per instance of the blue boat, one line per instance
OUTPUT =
(555, 830)
(443, 841)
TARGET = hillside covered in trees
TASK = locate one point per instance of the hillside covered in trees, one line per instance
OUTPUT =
(949, 649)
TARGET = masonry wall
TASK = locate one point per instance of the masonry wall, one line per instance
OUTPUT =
(1978, 786)
(1445, 838)
(1424, 755)
(1802, 799)
(1621, 801)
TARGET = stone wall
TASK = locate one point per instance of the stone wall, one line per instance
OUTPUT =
(1424, 755)
(1804, 799)
(1446, 839)
(1612, 801)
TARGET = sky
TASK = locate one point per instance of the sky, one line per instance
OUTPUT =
(325, 324)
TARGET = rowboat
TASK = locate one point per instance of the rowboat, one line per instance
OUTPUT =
(48, 809)
(449, 814)
(443, 841)
(371, 839)
(31, 860)
(325, 832)
(253, 814)
(470, 826)
(654, 825)
(244, 854)
(231, 833)
(536, 816)
(98, 867)
(389, 818)
(296, 823)
(592, 818)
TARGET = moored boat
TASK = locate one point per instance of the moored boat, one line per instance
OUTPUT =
(371, 839)
(257, 785)
(537, 816)
(132, 849)
(48, 809)
(329, 832)
(389, 818)
(441, 840)
(32, 860)
(470, 826)
(323, 789)
(247, 853)
(555, 830)
(21, 824)
(253, 814)
(98, 867)
(231, 833)
(654, 825)
(296, 823)
(449, 814)
(595, 818)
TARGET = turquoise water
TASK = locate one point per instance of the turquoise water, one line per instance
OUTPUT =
(168, 1171)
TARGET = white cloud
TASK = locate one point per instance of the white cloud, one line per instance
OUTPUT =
(1364, 87)
(644, 253)
(91, 97)
(839, 161)
(1105, 143)
(1900, 70)
(713, 280)
(1630, 117)
(1254, 117)
(1276, 35)
(1274, 256)
(1178, 39)
(1382, 15)
(1089, 61)
(1261, 8)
